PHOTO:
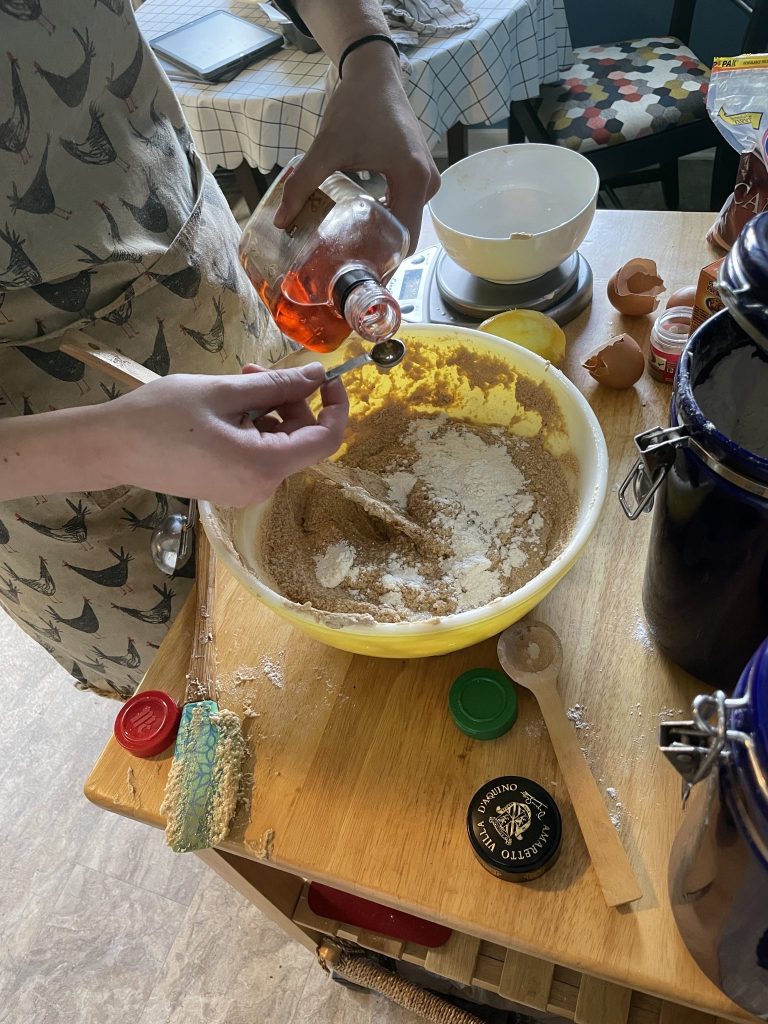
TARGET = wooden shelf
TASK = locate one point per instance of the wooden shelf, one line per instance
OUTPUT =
(514, 976)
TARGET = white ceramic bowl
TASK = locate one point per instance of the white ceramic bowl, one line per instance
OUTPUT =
(511, 214)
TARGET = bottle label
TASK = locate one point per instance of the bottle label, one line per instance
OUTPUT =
(309, 218)
(662, 365)
(284, 248)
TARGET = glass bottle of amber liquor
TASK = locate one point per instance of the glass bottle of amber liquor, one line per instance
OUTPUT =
(322, 278)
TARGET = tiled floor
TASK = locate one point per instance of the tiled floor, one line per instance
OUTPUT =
(101, 923)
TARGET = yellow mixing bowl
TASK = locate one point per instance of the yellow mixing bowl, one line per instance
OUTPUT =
(422, 380)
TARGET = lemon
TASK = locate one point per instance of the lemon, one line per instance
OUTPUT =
(530, 329)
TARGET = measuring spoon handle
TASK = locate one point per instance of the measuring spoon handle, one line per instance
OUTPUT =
(332, 374)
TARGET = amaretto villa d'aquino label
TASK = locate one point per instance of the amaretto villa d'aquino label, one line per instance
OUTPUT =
(514, 828)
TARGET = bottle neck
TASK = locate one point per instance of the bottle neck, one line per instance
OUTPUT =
(369, 308)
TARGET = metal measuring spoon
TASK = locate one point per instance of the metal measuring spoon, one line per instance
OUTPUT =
(170, 542)
(385, 355)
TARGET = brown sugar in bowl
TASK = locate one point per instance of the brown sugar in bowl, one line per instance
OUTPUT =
(429, 380)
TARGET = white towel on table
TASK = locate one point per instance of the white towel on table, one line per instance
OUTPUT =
(411, 21)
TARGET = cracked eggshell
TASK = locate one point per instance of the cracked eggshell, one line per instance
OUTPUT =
(619, 364)
(635, 288)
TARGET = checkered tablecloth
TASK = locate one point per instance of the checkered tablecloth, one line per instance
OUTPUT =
(272, 110)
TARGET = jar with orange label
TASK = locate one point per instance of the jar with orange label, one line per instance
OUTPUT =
(669, 336)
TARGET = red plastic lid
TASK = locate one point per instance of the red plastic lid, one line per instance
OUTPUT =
(343, 906)
(147, 723)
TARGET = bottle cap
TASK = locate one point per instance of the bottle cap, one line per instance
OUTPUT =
(514, 828)
(346, 281)
(483, 703)
(147, 723)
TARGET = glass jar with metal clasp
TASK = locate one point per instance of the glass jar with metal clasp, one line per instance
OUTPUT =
(705, 591)
(718, 870)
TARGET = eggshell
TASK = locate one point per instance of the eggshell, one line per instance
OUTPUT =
(619, 364)
(682, 297)
(635, 288)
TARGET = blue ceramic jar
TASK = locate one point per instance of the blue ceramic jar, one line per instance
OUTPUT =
(705, 591)
(718, 873)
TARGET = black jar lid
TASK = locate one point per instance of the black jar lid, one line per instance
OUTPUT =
(514, 828)
(743, 279)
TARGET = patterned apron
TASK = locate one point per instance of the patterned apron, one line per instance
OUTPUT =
(133, 243)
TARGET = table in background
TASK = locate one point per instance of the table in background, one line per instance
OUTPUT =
(365, 781)
(271, 111)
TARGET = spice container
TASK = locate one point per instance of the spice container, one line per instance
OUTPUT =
(669, 336)
(322, 278)
(704, 592)
(718, 871)
(707, 300)
(483, 703)
(147, 723)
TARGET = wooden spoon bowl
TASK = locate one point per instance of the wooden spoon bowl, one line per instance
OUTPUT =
(531, 653)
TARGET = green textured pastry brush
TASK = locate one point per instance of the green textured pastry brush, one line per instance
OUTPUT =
(203, 783)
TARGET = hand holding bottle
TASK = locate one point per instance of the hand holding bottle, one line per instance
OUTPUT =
(325, 278)
(369, 125)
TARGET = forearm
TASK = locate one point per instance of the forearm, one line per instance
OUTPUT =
(56, 452)
(368, 123)
(337, 24)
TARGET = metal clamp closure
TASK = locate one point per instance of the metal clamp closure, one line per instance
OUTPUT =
(690, 752)
(657, 448)
(695, 747)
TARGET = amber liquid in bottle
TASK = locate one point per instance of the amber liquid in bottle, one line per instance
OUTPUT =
(316, 327)
(322, 278)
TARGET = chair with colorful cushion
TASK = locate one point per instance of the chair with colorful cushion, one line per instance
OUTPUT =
(633, 108)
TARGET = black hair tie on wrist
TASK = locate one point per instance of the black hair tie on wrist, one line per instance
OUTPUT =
(375, 38)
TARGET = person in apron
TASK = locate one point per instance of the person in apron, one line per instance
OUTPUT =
(110, 224)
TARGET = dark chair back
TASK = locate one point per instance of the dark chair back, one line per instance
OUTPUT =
(755, 36)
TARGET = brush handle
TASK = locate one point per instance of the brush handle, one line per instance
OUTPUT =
(201, 677)
(127, 371)
(113, 364)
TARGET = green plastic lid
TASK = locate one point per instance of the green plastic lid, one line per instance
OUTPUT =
(483, 703)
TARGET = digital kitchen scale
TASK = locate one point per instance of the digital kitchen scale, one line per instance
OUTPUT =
(431, 288)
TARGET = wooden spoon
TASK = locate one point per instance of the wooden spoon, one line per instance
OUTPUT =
(530, 653)
(369, 491)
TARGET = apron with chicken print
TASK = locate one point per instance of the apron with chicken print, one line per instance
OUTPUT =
(109, 223)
